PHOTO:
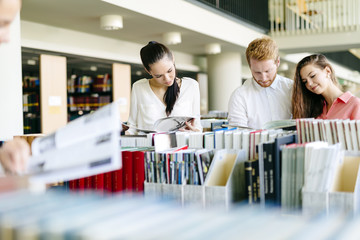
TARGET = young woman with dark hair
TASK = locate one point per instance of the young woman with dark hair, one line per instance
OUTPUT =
(316, 92)
(164, 94)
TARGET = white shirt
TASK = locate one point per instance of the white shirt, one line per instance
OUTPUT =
(146, 107)
(251, 105)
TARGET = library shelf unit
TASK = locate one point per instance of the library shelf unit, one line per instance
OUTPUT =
(93, 83)
(45, 88)
(44, 92)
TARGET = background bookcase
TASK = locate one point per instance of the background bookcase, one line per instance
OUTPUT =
(93, 83)
(31, 93)
(48, 95)
(44, 92)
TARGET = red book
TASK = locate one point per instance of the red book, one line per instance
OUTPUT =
(138, 171)
(108, 182)
(127, 170)
(98, 181)
(73, 185)
(88, 182)
(117, 180)
(81, 184)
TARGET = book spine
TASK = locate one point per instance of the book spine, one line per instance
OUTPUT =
(248, 180)
(269, 168)
(89, 182)
(127, 171)
(138, 171)
(256, 181)
(108, 182)
(98, 181)
(81, 184)
(117, 180)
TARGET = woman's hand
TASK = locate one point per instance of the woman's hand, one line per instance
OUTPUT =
(190, 127)
(14, 155)
(124, 127)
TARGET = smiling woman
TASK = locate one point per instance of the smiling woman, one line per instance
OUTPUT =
(317, 94)
(8, 11)
(164, 94)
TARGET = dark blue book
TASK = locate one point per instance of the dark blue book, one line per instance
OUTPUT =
(279, 142)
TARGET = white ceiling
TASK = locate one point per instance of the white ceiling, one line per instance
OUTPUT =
(84, 16)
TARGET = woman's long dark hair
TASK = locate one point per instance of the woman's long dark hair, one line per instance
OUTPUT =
(305, 103)
(152, 53)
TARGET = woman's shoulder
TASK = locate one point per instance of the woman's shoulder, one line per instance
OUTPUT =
(141, 83)
(189, 82)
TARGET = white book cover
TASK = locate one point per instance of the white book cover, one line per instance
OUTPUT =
(334, 130)
(328, 131)
(353, 132)
(246, 143)
(228, 139)
(219, 139)
(349, 144)
(358, 131)
(196, 140)
(315, 124)
(237, 137)
(323, 135)
(209, 140)
(340, 133)
(182, 138)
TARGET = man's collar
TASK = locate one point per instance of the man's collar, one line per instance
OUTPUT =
(273, 85)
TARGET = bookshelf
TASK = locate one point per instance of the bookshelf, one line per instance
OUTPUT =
(93, 83)
(31, 93)
(44, 92)
(48, 101)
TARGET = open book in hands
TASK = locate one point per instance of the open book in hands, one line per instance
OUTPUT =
(167, 124)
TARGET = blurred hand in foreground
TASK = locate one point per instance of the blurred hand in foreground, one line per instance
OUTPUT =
(14, 155)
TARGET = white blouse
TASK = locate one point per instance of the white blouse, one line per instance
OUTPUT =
(146, 107)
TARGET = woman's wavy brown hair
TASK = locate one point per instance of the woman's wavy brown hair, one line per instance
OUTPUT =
(306, 104)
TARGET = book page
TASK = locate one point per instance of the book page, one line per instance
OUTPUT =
(86, 146)
(171, 123)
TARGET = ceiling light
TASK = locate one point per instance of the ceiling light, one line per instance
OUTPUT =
(93, 68)
(111, 22)
(213, 48)
(172, 38)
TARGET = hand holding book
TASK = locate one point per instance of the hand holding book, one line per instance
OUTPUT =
(170, 124)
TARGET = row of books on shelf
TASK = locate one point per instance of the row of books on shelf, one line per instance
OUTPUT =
(318, 177)
(31, 123)
(87, 103)
(346, 132)
(220, 139)
(181, 175)
(186, 166)
(30, 82)
(223, 185)
(59, 215)
(31, 103)
(283, 174)
(87, 84)
(130, 178)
